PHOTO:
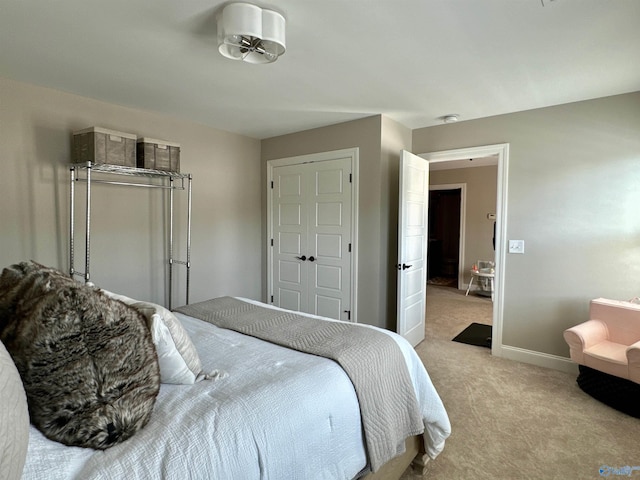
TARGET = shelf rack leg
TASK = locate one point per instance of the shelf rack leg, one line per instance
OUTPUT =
(170, 242)
(72, 171)
(88, 227)
(188, 240)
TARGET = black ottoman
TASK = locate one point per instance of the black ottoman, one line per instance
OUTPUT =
(616, 392)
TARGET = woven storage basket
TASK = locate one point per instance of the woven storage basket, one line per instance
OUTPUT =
(158, 155)
(99, 145)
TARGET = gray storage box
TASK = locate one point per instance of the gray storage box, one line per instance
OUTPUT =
(158, 155)
(99, 145)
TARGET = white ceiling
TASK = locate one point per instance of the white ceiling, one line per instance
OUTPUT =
(411, 60)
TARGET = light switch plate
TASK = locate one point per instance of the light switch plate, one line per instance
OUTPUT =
(516, 246)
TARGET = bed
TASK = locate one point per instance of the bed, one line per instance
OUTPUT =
(258, 411)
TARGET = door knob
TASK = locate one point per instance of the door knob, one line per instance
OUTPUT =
(312, 258)
(405, 266)
(303, 258)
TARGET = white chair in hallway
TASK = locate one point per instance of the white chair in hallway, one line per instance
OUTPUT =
(483, 274)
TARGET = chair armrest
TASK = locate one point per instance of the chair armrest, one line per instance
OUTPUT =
(587, 334)
(633, 361)
(583, 336)
(633, 353)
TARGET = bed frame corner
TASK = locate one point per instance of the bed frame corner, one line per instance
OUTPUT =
(414, 456)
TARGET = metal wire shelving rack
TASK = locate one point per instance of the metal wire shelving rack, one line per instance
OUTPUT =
(106, 173)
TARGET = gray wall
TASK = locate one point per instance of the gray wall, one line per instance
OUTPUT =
(128, 242)
(573, 196)
(481, 199)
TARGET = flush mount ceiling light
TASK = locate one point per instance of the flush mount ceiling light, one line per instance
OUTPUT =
(250, 33)
(451, 118)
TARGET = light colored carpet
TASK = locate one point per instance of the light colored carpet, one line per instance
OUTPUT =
(512, 420)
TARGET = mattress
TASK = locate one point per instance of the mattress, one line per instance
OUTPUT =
(268, 413)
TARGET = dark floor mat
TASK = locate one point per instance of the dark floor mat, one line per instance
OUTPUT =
(475, 334)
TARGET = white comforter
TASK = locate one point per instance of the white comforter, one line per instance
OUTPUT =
(273, 413)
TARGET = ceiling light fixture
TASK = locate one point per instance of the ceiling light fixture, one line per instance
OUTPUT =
(250, 33)
(451, 118)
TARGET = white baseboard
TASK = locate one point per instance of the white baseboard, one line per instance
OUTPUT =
(538, 358)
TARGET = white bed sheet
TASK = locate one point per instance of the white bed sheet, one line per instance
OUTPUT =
(275, 413)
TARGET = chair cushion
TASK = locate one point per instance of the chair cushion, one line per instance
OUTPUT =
(608, 357)
(609, 351)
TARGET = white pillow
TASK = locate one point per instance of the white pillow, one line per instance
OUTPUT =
(14, 418)
(178, 358)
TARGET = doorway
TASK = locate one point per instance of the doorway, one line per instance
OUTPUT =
(444, 252)
(499, 155)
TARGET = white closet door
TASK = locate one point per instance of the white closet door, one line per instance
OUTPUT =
(312, 237)
(330, 238)
(290, 279)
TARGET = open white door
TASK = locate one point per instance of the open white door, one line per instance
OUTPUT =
(412, 246)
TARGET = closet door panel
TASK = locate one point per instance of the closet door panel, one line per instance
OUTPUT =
(329, 238)
(290, 239)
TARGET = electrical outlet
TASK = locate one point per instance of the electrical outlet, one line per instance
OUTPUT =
(516, 246)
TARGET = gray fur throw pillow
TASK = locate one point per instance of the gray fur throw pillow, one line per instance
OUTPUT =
(87, 362)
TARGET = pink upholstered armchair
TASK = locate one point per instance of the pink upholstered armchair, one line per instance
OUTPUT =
(610, 340)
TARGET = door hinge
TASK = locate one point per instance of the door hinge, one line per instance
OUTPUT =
(272, 184)
(348, 312)
(272, 242)
(349, 248)
(271, 298)
(351, 178)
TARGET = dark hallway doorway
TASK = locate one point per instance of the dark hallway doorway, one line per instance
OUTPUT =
(444, 237)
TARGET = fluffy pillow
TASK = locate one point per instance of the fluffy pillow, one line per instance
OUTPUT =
(87, 362)
(14, 418)
(178, 357)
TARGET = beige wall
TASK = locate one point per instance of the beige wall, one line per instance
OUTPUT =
(573, 197)
(481, 192)
(377, 139)
(128, 243)
(394, 138)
